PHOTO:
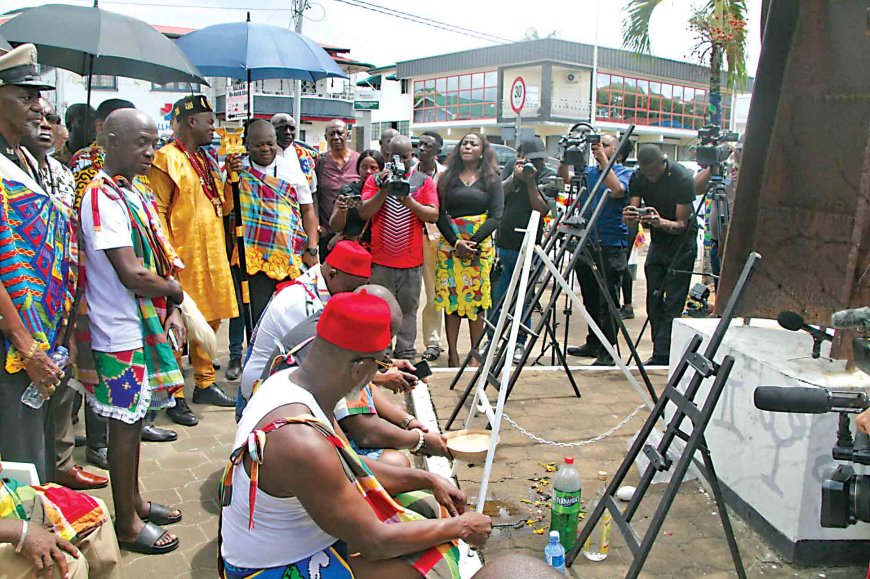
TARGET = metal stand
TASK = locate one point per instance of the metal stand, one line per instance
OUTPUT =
(703, 367)
(570, 226)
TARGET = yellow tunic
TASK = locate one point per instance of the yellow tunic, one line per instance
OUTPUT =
(195, 231)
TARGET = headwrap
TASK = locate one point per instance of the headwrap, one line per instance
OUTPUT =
(351, 258)
(359, 322)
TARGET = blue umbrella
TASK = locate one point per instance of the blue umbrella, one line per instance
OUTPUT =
(249, 51)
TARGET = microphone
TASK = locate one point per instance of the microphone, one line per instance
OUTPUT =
(854, 318)
(793, 322)
(808, 400)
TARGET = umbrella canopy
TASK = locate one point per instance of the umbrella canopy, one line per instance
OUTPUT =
(4, 45)
(78, 37)
(266, 51)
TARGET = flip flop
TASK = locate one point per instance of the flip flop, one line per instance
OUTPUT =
(161, 515)
(431, 354)
(146, 541)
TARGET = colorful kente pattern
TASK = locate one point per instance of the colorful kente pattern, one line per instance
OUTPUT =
(462, 286)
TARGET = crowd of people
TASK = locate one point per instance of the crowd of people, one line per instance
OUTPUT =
(113, 246)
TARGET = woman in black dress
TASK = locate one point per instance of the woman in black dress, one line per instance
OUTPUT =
(471, 203)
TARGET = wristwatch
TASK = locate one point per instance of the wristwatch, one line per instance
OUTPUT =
(406, 421)
(312, 250)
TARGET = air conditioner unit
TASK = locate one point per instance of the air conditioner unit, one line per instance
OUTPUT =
(572, 77)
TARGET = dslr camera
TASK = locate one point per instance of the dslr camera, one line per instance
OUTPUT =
(397, 178)
(713, 150)
(574, 146)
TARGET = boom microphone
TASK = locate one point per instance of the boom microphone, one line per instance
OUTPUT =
(794, 322)
(854, 318)
(807, 400)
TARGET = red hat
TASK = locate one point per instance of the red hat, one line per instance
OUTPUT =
(351, 258)
(359, 322)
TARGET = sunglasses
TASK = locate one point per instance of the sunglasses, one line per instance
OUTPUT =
(52, 118)
(383, 365)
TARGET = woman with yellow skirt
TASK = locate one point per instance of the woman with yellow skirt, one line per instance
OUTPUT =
(471, 204)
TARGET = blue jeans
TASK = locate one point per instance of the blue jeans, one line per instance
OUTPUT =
(508, 259)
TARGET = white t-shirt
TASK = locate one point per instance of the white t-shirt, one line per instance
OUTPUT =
(282, 168)
(293, 159)
(112, 309)
(285, 310)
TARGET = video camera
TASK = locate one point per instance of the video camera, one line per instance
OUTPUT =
(845, 495)
(713, 150)
(397, 179)
(574, 146)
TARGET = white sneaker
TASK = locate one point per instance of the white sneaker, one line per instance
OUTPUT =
(518, 353)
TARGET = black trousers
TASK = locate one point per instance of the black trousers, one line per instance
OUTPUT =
(612, 264)
(666, 292)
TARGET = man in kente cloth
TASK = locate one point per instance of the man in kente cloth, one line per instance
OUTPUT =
(37, 280)
(311, 503)
(188, 189)
(127, 270)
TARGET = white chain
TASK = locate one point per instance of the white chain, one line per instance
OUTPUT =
(586, 442)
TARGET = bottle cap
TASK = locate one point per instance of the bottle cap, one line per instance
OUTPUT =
(554, 536)
(602, 475)
(569, 460)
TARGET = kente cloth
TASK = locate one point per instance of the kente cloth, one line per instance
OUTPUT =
(86, 163)
(65, 512)
(274, 236)
(441, 561)
(306, 162)
(125, 385)
(195, 231)
(462, 286)
(36, 258)
(327, 564)
(362, 404)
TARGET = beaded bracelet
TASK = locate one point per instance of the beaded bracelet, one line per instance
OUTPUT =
(23, 536)
(420, 442)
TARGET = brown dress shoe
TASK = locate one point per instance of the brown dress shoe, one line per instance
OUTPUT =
(79, 479)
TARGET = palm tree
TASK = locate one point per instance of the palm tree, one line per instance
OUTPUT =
(721, 29)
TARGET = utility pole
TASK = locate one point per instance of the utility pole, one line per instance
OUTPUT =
(299, 7)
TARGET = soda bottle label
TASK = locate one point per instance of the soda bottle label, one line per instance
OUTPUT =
(566, 503)
(557, 561)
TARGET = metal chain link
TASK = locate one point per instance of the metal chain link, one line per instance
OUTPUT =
(586, 442)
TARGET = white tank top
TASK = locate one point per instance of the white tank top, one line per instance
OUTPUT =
(283, 531)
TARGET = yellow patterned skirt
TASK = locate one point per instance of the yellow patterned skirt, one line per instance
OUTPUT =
(462, 286)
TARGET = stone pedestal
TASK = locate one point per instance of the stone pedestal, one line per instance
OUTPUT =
(772, 465)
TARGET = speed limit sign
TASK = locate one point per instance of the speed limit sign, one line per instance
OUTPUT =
(518, 95)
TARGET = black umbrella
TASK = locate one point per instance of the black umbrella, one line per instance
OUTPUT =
(89, 41)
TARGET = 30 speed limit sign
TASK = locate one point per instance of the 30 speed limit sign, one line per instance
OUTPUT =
(518, 95)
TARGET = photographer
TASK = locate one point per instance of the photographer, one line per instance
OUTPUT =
(397, 234)
(521, 196)
(608, 247)
(345, 219)
(667, 190)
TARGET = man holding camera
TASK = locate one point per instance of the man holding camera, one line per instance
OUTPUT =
(399, 201)
(608, 248)
(521, 196)
(667, 190)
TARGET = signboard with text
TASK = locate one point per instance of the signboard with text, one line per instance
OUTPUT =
(237, 102)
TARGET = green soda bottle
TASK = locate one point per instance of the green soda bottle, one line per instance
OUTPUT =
(565, 508)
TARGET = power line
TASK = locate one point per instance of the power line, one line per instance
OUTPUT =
(426, 21)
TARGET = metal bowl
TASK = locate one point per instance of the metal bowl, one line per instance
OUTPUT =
(469, 446)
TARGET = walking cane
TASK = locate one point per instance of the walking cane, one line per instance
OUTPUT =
(231, 144)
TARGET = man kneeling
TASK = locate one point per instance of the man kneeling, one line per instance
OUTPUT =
(315, 504)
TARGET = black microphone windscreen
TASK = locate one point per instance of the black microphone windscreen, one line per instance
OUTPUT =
(799, 399)
(790, 320)
(853, 318)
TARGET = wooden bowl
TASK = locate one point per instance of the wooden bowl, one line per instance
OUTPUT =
(469, 446)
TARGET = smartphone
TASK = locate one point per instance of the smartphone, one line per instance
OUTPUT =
(643, 210)
(353, 201)
(422, 369)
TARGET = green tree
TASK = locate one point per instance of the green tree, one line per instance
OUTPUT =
(720, 26)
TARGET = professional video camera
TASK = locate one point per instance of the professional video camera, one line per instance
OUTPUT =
(397, 178)
(574, 146)
(713, 150)
(845, 495)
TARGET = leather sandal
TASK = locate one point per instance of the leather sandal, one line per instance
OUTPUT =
(432, 353)
(146, 541)
(161, 515)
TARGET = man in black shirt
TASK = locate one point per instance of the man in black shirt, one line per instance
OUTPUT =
(521, 197)
(667, 190)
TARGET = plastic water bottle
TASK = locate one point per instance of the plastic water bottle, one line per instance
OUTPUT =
(565, 510)
(32, 396)
(554, 553)
(598, 543)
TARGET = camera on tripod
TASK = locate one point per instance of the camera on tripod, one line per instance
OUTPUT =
(397, 178)
(845, 494)
(574, 146)
(713, 150)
